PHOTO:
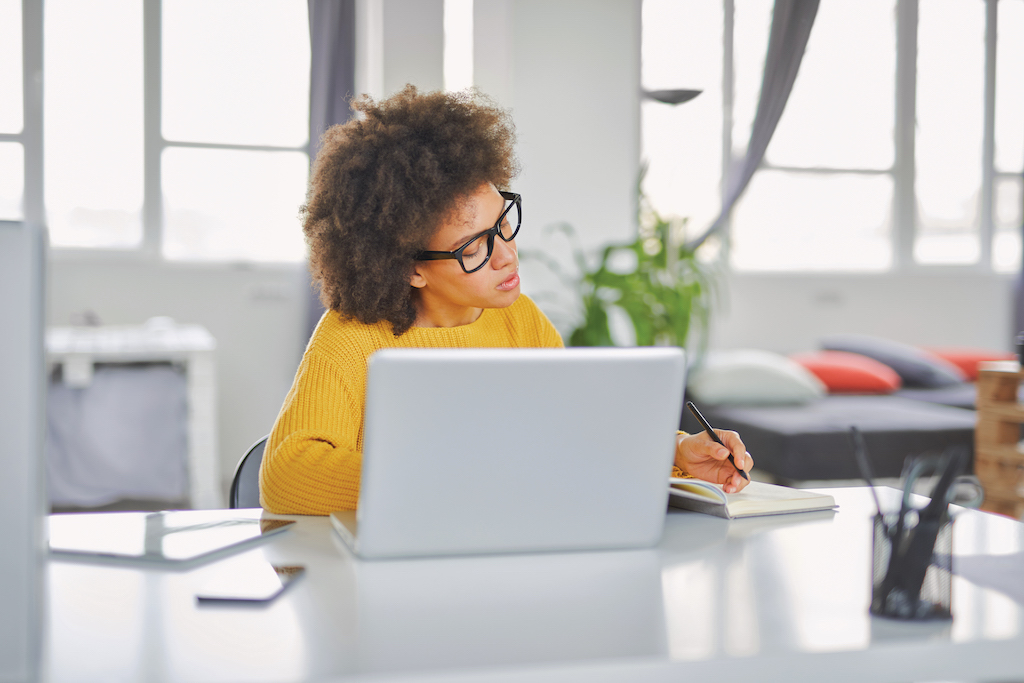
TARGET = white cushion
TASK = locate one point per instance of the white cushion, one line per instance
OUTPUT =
(752, 377)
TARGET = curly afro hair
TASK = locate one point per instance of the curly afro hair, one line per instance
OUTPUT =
(384, 182)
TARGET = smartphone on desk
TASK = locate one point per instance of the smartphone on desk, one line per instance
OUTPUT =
(259, 582)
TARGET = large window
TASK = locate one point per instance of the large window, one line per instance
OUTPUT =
(175, 128)
(901, 146)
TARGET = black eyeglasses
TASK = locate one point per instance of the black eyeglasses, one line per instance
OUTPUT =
(474, 254)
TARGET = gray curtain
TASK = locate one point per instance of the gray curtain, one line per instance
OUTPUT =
(791, 27)
(332, 37)
(1018, 311)
(1018, 297)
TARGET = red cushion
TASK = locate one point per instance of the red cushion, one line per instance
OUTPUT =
(850, 373)
(967, 359)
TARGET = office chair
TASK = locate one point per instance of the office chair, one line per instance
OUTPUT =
(245, 485)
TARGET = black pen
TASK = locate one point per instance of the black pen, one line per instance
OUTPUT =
(860, 452)
(711, 433)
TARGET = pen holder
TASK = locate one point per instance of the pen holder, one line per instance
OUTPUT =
(907, 582)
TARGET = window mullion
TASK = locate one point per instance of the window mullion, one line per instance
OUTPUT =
(152, 212)
(988, 135)
(32, 85)
(728, 97)
(304, 148)
(825, 170)
(904, 210)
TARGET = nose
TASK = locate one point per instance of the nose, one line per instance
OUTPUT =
(504, 253)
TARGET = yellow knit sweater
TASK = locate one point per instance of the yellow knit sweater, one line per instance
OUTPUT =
(313, 458)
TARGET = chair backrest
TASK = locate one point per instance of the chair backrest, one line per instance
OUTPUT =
(245, 485)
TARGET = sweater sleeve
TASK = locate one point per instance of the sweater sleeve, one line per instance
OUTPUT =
(312, 462)
(677, 471)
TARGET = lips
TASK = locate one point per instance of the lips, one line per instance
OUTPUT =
(511, 283)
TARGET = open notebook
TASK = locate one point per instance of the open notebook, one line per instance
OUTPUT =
(755, 500)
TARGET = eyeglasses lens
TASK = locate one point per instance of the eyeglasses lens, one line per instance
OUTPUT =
(476, 253)
(510, 224)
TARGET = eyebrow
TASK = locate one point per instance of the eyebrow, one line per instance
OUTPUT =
(456, 245)
(462, 240)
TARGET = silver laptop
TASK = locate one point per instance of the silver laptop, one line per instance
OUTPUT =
(470, 451)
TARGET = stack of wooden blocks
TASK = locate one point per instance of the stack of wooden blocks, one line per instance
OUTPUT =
(998, 451)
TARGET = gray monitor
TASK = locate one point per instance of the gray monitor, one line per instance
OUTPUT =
(22, 489)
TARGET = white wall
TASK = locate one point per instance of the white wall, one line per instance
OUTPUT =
(569, 71)
(787, 313)
(413, 43)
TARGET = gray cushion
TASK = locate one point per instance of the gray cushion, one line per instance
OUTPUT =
(917, 368)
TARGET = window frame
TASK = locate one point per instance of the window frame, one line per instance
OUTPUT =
(904, 211)
(31, 135)
(154, 143)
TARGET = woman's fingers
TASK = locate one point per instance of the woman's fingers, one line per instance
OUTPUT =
(735, 445)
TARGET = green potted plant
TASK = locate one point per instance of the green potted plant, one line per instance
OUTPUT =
(664, 288)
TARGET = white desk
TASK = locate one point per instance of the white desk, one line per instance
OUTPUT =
(771, 599)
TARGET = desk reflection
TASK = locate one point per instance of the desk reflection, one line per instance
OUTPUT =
(732, 589)
(489, 611)
(119, 623)
(802, 584)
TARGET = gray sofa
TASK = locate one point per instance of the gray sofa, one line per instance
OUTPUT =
(812, 441)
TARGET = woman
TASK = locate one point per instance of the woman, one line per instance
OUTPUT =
(412, 240)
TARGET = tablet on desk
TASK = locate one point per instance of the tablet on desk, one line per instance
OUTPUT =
(170, 538)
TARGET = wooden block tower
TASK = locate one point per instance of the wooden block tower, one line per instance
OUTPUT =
(998, 450)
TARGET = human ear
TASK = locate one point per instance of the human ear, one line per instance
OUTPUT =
(417, 278)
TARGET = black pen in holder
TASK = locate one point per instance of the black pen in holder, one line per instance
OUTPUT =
(912, 550)
(918, 584)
